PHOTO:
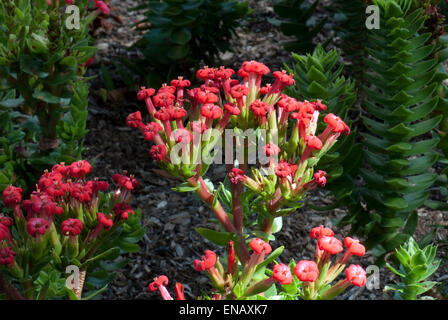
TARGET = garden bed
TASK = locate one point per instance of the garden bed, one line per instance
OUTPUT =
(171, 244)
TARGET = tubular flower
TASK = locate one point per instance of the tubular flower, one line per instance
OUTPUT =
(259, 246)
(284, 79)
(330, 245)
(79, 169)
(37, 226)
(282, 274)
(158, 152)
(283, 169)
(7, 256)
(164, 114)
(145, 93)
(11, 196)
(236, 175)
(306, 270)
(5, 234)
(163, 99)
(123, 210)
(239, 91)
(150, 130)
(259, 108)
(336, 124)
(231, 261)
(288, 104)
(271, 149)
(160, 284)
(105, 221)
(6, 221)
(102, 7)
(205, 97)
(232, 109)
(319, 105)
(61, 168)
(207, 262)
(255, 67)
(211, 111)
(206, 73)
(354, 246)
(71, 227)
(126, 182)
(356, 275)
(313, 142)
(180, 82)
(134, 120)
(319, 178)
(183, 136)
(179, 290)
(321, 231)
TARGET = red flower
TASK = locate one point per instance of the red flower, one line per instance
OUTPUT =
(12, 196)
(336, 124)
(259, 108)
(134, 120)
(123, 210)
(5, 234)
(164, 99)
(306, 270)
(167, 89)
(239, 91)
(313, 142)
(255, 67)
(266, 89)
(329, 244)
(102, 7)
(207, 262)
(71, 227)
(236, 175)
(205, 97)
(97, 185)
(149, 130)
(232, 109)
(356, 275)
(124, 181)
(230, 257)
(158, 282)
(179, 113)
(180, 83)
(80, 192)
(206, 73)
(284, 78)
(41, 203)
(319, 105)
(61, 168)
(211, 111)
(258, 246)
(48, 179)
(354, 247)
(37, 226)
(158, 152)
(79, 169)
(283, 169)
(6, 221)
(321, 231)
(282, 274)
(223, 73)
(288, 104)
(7, 256)
(179, 290)
(271, 149)
(145, 93)
(319, 178)
(164, 114)
(105, 221)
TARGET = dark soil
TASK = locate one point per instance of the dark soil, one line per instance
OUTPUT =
(171, 243)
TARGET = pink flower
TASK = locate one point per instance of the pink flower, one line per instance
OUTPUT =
(330, 245)
(306, 270)
(356, 275)
(102, 7)
(258, 246)
(282, 274)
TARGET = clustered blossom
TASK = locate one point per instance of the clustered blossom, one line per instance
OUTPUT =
(63, 207)
(223, 101)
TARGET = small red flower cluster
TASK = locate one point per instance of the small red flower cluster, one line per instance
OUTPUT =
(62, 191)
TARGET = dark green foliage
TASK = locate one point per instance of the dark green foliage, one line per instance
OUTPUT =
(42, 61)
(297, 20)
(350, 17)
(184, 33)
(318, 76)
(399, 144)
